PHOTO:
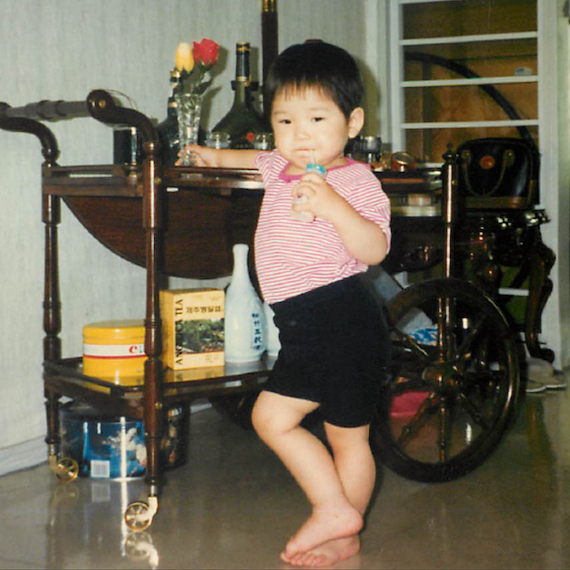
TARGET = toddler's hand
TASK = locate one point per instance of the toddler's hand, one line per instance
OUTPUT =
(313, 195)
(300, 209)
(201, 155)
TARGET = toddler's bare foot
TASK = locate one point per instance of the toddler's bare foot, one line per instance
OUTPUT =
(324, 524)
(329, 553)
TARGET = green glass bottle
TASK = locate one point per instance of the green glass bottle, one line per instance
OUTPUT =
(242, 122)
(168, 129)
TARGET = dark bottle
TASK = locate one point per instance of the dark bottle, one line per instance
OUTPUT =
(242, 122)
(168, 129)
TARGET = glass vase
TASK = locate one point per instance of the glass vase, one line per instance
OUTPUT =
(188, 109)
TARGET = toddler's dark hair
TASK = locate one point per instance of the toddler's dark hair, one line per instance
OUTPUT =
(316, 64)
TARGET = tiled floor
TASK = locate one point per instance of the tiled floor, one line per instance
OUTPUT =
(233, 506)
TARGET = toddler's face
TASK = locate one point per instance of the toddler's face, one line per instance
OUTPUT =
(309, 123)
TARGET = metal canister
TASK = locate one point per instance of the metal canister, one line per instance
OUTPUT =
(113, 447)
(114, 350)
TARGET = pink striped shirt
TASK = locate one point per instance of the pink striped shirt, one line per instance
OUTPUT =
(293, 257)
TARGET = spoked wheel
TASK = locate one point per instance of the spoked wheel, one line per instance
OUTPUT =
(455, 381)
(67, 470)
(139, 515)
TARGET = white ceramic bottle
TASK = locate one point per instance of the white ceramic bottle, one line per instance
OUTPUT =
(273, 344)
(244, 319)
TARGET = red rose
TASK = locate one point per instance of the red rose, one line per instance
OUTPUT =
(206, 52)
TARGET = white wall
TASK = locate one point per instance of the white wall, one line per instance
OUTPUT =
(62, 49)
(555, 175)
(555, 172)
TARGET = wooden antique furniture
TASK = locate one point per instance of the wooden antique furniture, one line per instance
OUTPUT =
(500, 250)
(184, 221)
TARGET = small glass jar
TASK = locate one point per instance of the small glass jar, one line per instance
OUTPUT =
(127, 146)
(218, 139)
(263, 141)
(368, 149)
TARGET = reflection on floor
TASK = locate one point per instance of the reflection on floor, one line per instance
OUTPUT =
(233, 506)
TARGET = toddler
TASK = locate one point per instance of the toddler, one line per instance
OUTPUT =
(334, 340)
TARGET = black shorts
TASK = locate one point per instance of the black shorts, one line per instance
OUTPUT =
(335, 351)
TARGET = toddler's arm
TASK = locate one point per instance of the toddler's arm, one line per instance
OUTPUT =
(364, 239)
(223, 157)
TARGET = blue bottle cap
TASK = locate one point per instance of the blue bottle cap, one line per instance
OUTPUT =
(316, 169)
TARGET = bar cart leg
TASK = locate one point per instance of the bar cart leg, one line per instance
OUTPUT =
(67, 469)
(139, 515)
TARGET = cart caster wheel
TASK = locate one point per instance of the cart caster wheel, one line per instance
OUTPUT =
(67, 470)
(138, 516)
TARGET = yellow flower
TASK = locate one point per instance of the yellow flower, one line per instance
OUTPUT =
(184, 59)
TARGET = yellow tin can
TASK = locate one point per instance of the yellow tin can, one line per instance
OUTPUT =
(114, 350)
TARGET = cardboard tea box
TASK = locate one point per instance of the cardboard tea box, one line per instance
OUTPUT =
(192, 327)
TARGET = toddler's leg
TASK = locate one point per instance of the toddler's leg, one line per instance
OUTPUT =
(354, 462)
(357, 471)
(277, 420)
